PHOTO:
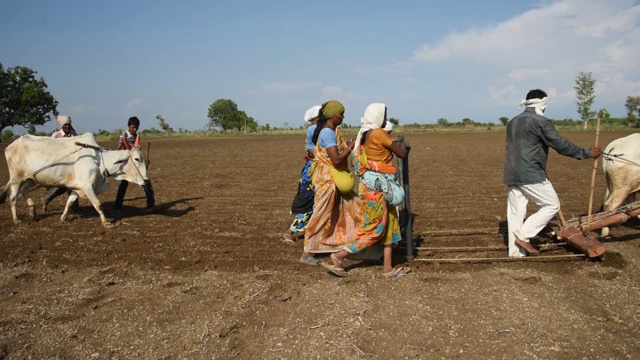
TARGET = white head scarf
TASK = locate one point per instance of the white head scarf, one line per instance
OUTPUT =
(372, 119)
(63, 119)
(388, 127)
(538, 104)
(312, 113)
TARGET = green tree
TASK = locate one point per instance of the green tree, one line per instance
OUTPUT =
(466, 122)
(394, 121)
(163, 124)
(503, 120)
(224, 114)
(585, 91)
(633, 109)
(443, 122)
(7, 134)
(24, 100)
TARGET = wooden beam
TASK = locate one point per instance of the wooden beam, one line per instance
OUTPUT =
(506, 259)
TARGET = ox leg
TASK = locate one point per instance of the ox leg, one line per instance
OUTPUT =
(91, 195)
(25, 190)
(73, 197)
(14, 191)
(613, 200)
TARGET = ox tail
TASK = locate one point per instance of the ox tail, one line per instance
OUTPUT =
(607, 179)
(3, 195)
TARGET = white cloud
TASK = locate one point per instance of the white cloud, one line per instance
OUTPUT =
(284, 88)
(383, 69)
(547, 47)
(411, 81)
(133, 103)
(76, 110)
(521, 74)
(337, 92)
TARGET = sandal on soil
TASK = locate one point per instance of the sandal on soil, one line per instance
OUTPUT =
(288, 239)
(309, 260)
(527, 247)
(399, 271)
(337, 271)
(337, 263)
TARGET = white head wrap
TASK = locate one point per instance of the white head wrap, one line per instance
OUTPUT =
(63, 119)
(312, 113)
(538, 104)
(372, 119)
(388, 127)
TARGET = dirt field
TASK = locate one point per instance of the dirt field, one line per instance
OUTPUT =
(206, 277)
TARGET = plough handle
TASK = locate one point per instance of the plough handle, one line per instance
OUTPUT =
(88, 146)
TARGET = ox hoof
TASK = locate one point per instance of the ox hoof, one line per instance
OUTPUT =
(108, 225)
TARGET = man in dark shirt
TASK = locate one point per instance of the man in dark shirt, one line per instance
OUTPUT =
(529, 137)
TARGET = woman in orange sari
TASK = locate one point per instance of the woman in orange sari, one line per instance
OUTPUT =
(336, 209)
(379, 192)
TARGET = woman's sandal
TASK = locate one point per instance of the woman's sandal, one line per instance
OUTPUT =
(337, 271)
(399, 271)
(288, 239)
(309, 260)
(336, 262)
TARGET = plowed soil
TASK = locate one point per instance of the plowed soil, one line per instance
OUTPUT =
(205, 276)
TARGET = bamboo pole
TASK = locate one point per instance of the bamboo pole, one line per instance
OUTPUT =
(506, 259)
(546, 246)
(563, 221)
(461, 248)
(148, 149)
(593, 173)
(479, 231)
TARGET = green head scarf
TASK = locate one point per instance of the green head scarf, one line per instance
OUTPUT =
(331, 108)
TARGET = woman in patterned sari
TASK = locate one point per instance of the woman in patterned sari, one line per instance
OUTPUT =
(336, 214)
(302, 204)
(379, 193)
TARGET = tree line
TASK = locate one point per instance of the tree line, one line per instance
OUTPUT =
(25, 101)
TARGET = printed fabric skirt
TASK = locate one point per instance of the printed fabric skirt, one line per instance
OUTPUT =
(302, 204)
(380, 222)
(335, 216)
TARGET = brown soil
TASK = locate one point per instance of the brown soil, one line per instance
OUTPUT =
(206, 277)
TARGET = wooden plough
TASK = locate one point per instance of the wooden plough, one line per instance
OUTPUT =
(574, 230)
(577, 232)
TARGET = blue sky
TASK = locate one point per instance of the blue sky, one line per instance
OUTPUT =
(107, 60)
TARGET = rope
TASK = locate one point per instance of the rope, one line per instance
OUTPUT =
(37, 171)
(610, 157)
(46, 166)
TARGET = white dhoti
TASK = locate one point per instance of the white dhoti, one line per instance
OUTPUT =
(543, 195)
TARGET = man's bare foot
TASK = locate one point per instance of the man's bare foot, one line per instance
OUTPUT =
(527, 246)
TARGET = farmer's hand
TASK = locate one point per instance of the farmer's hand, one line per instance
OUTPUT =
(596, 151)
(351, 144)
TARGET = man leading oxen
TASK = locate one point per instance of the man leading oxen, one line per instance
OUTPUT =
(75, 163)
(621, 166)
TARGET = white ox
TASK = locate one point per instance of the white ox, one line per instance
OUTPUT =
(36, 161)
(621, 166)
